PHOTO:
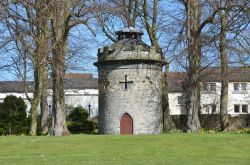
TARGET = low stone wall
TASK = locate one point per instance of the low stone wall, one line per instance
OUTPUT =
(212, 121)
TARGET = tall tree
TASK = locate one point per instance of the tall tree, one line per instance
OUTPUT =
(194, 27)
(194, 47)
(129, 11)
(44, 104)
(64, 16)
(41, 19)
(26, 30)
(151, 28)
(43, 14)
(224, 64)
(42, 22)
(60, 11)
(233, 20)
(111, 14)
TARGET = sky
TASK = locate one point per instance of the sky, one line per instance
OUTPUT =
(82, 53)
(83, 45)
(83, 48)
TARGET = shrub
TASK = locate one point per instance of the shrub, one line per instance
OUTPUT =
(240, 131)
(77, 121)
(13, 120)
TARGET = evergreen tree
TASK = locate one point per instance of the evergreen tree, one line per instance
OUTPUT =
(77, 121)
(13, 118)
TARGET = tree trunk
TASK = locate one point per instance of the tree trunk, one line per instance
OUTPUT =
(151, 30)
(167, 124)
(39, 60)
(60, 15)
(59, 114)
(192, 84)
(224, 75)
(131, 12)
(44, 103)
(33, 110)
(44, 73)
(36, 95)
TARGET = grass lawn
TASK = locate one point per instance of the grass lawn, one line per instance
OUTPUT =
(100, 149)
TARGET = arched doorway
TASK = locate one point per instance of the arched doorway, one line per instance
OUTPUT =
(126, 125)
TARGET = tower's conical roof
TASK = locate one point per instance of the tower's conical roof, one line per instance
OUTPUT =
(129, 48)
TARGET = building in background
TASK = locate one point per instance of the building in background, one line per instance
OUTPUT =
(238, 91)
(80, 90)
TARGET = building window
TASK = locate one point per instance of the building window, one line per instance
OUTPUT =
(243, 86)
(205, 87)
(236, 108)
(212, 87)
(210, 108)
(236, 86)
(181, 100)
(50, 109)
(244, 108)
(213, 106)
(206, 108)
(209, 87)
(240, 86)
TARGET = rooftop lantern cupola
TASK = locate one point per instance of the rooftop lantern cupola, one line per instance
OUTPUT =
(129, 33)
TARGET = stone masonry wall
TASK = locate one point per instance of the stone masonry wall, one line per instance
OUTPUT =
(142, 99)
(212, 121)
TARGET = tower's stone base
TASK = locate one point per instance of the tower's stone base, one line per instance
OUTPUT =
(141, 98)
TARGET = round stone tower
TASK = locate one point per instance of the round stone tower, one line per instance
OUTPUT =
(130, 86)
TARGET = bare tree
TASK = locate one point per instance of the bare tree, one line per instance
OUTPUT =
(194, 27)
(224, 65)
(42, 15)
(64, 16)
(32, 32)
(60, 12)
(113, 14)
(234, 20)
(27, 32)
(151, 29)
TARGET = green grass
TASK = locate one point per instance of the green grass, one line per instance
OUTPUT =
(121, 150)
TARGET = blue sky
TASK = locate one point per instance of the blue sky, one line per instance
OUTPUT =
(83, 46)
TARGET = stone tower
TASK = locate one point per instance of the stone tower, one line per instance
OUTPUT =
(130, 86)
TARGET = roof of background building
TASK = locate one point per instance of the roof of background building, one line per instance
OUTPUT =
(79, 83)
(78, 75)
(235, 74)
(212, 74)
(14, 86)
(175, 79)
(72, 81)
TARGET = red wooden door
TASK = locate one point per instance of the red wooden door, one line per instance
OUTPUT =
(126, 125)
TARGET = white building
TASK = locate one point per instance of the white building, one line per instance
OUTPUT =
(238, 92)
(82, 90)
